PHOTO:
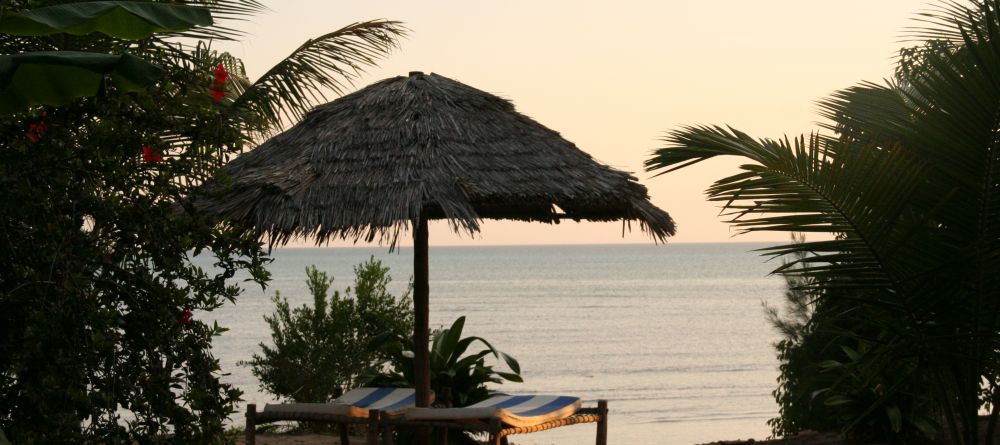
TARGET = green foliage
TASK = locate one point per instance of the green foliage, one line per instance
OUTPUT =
(908, 187)
(457, 379)
(101, 306)
(875, 400)
(59, 77)
(802, 346)
(320, 351)
(122, 19)
(827, 383)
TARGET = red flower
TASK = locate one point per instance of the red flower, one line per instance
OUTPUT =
(36, 129)
(218, 86)
(186, 317)
(221, 75)
(151, 155)
(217, 95)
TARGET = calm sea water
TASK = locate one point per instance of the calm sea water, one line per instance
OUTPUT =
(673, 335)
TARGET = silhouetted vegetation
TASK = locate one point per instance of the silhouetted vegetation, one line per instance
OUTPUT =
(905, 332)
(107, 125)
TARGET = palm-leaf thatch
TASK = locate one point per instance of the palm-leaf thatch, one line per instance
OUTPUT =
(371, 163)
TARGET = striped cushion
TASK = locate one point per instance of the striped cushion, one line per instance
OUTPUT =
(355, 403)
(512, 410)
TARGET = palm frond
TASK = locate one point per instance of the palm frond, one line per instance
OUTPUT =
(813, 185)
(327, 63)
(948, 18)
(910, 187)
(224, 12)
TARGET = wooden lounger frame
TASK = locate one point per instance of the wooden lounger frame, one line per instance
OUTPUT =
(255, 418)
(496, 430)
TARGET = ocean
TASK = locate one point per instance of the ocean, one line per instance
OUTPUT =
(674, 335)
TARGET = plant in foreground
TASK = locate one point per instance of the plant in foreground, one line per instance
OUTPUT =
(107, 125)
(458, 378)
(321, 351)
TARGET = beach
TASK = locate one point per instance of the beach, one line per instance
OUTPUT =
(673, 336)
(330, 439)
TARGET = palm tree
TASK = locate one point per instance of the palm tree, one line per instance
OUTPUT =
(909, 185)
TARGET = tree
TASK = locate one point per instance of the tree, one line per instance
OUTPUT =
(908, 186)
(319, 352)
(112, 126)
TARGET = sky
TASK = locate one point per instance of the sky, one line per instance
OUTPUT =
(614, 77)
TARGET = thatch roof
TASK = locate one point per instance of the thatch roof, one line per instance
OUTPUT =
(368, 164)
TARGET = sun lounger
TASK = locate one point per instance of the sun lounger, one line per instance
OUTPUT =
(364, 406)
(502, 416)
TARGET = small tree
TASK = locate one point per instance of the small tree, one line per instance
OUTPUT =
(320, 351)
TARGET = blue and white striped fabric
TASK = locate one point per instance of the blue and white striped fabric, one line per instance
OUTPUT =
(355, 403)
(525, 410)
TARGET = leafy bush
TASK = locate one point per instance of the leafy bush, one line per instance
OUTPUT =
(320, 351)
(102, 338)
(104, 138)
(832, 381)
(799, 351)
(108, 125)
(457, 379)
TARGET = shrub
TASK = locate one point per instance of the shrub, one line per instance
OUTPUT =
(831, 379)
(457, 379)
(116, 116)
(102, 338)
(319, 352)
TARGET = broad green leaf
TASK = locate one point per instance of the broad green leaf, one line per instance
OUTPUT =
(926, 426)
(470, 361)
(829, 364)
(58, 77)
(851, 353)
(511, 362)
(122, 19)
(837, 400)
(488, 345)
(444, 344)
(895, 417)
(511, 377)
(818, 393)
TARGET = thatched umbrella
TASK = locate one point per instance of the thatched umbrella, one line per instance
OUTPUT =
(408, 149)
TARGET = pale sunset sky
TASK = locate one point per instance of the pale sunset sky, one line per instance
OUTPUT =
(614, 76)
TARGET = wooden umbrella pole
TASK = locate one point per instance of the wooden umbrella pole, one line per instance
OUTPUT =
(421, 306)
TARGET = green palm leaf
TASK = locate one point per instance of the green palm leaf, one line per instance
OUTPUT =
(802, 185)
(329, 62)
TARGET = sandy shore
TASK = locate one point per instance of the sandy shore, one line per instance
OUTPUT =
(332, 439)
